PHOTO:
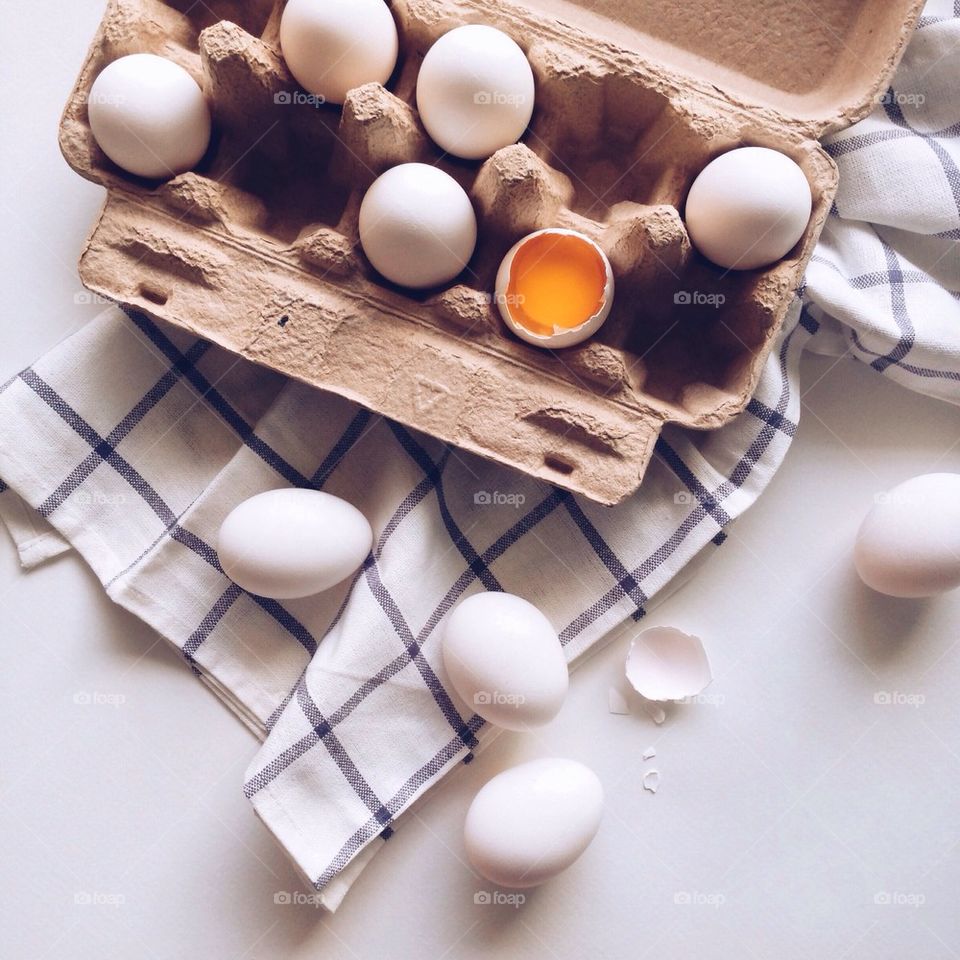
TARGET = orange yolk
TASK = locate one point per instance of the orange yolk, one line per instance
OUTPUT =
(556, 282)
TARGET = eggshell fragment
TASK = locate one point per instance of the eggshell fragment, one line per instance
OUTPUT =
(291, 543)
(532, 821)
(505, 660)
(667, 664)
(617, 703)
(651, 781)
(909, 543)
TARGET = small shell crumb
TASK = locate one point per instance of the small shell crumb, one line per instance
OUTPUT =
(651, 781)
(617, 702)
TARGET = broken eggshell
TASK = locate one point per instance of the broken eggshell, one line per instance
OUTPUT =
(667, 664)
(555, 288)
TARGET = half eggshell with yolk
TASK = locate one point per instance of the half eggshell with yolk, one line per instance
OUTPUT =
(555, 288)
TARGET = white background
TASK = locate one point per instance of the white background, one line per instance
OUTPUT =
(797, 816)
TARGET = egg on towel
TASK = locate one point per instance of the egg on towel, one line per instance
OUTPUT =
(505, 660)
(149, 116)
(909, 543)
(555, 288)
(290, 543)
(531, 822)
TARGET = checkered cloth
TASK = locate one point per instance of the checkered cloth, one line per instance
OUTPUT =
(131, 441)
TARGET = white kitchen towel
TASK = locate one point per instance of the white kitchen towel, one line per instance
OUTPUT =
(131, 441)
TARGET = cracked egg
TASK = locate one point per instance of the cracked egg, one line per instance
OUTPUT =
(555, 288)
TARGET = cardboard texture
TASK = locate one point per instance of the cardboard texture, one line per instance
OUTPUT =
(257, 249)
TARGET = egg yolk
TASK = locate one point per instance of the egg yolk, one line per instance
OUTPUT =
(557, 282)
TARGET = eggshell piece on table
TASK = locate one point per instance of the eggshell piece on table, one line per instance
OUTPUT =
(333, 46)
(748, 208)
(505, 660)
(531, 822)
(666, 664)
(554, 288)
(417, 226)
(291, 543)
(149, 116)
(475, 91)
(909, 543)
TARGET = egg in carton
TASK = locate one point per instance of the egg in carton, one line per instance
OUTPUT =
(257, 248)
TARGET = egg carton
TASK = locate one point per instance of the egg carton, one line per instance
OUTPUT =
(257, 249)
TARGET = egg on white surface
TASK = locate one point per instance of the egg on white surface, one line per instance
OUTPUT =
(291, 543)
(554, 288)
(417, 226)
(333, 46)
(909, 543)
(532, 821)
(667, 664)
(505, 660)
(475, 91)
(748, 208)
(149, 116)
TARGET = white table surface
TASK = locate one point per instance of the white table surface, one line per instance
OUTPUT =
(797, 817)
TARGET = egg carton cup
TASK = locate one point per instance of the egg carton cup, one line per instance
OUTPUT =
(257, 249)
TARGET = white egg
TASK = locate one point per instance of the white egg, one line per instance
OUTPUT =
(505, 660)
(666, 664)
(417, 226)
(292, 543)
(909, 542)
(748, 208)
(532, 821)
(475, 92)
(149, 116)
(554, 288)
(333, 46)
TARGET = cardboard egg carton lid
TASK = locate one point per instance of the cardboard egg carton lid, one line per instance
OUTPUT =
(257, 249)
